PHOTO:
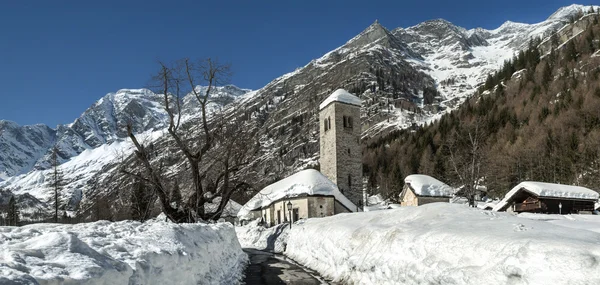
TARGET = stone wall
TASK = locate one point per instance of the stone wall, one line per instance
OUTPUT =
(308, 207)
(320, 207)
(408, 197)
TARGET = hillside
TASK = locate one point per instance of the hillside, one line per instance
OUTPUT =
(535, 119)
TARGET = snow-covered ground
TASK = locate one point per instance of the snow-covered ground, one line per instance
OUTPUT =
(127, 252)
(443, 243)
(377, 203)
(258, 237)
(580, 222)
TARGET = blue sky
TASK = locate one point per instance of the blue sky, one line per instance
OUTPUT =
(59, 57)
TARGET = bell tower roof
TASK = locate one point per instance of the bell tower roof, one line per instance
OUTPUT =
(342, 96)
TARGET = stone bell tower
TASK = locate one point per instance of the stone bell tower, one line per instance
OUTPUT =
(340, 130)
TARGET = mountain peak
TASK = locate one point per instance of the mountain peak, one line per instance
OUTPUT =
(440, 25)
(372, 33)
(567, 11)
(376, 27)
(438, 21)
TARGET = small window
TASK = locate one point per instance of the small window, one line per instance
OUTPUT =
(349, 181)
(347, 122)
(328, 123)
(321, 206)
(348, 150)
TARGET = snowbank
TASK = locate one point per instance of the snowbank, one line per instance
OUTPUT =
(377, 203)
(273, 239)
(310, 182)
(443, 243)
(583, 222)
(343, 96)
(126, 252)
(552, 190)
(424, 185)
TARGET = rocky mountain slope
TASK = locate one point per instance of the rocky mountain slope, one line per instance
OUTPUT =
(87, 146)
(535, 119)
(405, 76)
(21, 145)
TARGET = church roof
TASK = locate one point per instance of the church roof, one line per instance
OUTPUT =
(305, 182)
(343, 96)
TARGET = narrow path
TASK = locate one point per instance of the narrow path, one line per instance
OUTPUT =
(269, 268)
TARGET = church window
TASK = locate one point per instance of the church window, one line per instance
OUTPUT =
(347, 122)
(349, 181)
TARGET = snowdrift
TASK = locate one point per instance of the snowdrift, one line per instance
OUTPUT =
(444, 243)
(271, 239)
(127, 252)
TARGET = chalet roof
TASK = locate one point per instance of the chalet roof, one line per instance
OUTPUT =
(424, 185)
(306, 182)
(343, 96)
(548, 190)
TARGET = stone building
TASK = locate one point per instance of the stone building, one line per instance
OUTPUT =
(306, 194)
(422, 189)
(340, 151)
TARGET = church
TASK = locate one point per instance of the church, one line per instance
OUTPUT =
(337, 188)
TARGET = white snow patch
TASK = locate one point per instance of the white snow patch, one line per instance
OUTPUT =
(580, 222)
(424, 185)
(443, 243)
(127, 252)
(343, 96)
(253, 235)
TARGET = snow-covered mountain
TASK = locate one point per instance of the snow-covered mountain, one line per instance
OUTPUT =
(90, 145)
(20, 146)
(405, 76)
(460, 59)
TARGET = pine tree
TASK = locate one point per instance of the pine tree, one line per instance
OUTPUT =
(13, 212)
(56, 180)
(571, 51)
(554, 40)
(546, 74)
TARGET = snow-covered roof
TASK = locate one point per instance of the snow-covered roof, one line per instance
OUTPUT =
(309, 182)
(343, 96)
(424, 185)
(542, 189)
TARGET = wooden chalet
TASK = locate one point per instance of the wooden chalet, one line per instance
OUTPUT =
(549, 198)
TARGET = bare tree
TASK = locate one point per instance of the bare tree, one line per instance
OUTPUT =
(465, 149)
(13, 212)
(142, 201)
(213, 152)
